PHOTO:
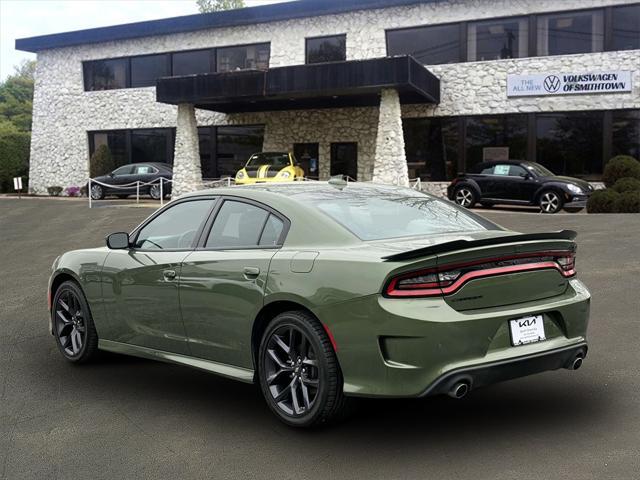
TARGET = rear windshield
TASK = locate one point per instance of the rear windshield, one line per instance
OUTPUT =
(377, 212)
(280, 160)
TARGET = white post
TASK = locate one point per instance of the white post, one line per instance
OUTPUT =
(161, 191)
(137, 191)
(89, 193)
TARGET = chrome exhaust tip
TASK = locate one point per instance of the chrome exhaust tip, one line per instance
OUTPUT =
(577, 362)
(459, 390)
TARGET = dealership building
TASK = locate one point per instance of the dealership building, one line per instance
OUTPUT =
(383, 90)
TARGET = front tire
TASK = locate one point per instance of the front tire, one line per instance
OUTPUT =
(465, 196)
(298, 370)
(73, 326)
(97, 192)
(550, 202)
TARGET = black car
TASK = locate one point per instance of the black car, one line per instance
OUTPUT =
(515, 182)
(127, 175)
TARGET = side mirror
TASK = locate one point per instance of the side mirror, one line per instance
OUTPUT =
(528, 176)
(118, 241)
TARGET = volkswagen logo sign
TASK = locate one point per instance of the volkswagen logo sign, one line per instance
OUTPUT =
(552, 84)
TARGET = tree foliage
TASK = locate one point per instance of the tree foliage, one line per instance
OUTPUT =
(101, 162)
(14, 158)
(16, 97)
(206, 6)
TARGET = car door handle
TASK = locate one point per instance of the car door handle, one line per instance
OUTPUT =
(169, 274)
(251, 272)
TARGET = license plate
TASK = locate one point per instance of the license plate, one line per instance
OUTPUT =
(527, 330)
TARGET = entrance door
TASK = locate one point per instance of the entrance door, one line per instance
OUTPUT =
(308, 157)
(344, 159)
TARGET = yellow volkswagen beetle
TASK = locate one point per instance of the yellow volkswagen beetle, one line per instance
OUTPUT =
(267, 167)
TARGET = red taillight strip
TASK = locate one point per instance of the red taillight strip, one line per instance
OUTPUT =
(392, 291)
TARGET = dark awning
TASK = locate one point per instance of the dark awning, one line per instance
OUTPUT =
(322, 85)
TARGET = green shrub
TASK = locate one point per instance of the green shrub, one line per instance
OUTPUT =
(622, 166)
(14, 159)
(54, 191)
(603, 201)
(627, 184)
(101, 162)
(629, 202)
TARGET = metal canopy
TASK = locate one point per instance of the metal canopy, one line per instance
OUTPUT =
(322, 85)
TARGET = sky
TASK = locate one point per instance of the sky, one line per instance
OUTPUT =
(28, 18)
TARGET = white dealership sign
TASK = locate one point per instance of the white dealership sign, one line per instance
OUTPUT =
(568, 83)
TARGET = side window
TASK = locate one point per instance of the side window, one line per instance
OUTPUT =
(126, 170)
(517, 171)
(502, 170)
(176, 227)
(272, 231)
(237, 225)
(144, 169)
(487, 170)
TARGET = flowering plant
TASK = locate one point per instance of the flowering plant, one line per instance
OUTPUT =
(72, 191)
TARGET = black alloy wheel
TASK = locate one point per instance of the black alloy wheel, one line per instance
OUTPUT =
(97, 192)
(298, 370)
(72, 324)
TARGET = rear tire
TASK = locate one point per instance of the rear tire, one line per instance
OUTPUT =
(73, 326)
(154, 192)
(550, 201)
(299, 373)
(465, 196)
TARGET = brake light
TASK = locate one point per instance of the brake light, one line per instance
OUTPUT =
(447, 279)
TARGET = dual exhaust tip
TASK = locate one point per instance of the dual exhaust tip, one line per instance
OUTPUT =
(461, 388)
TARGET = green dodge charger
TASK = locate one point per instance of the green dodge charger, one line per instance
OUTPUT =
(324, 291)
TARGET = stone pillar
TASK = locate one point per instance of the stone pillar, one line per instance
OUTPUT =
(187, 174)
(390, 162)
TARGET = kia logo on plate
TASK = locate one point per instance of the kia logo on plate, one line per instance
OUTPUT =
(551, 84)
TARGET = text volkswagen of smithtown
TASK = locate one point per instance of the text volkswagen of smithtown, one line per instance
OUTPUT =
(323, 291)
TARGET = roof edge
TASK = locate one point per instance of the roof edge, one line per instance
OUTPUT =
(201, 21)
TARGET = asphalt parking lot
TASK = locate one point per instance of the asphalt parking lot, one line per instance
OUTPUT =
(129, 418)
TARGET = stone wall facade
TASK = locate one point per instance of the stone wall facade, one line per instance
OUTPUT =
(63, 112)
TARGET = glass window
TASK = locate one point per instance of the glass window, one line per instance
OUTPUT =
(248, 57)
(501, 170)
(105, 74)
(431, 146)
(234, 147)
(146, 70)
(375, 212)
(327, 49)
(237, 225)
(114, 144)
(570, 143)
(496, 137)
(189, 63)
(517, 171)
(431, 45)
(206, 158)
(176, 227)
(626, 133)
(272, 232)
(571, 32)
(126, 170)
(498, 39)
(152, 145)
(626, 27)
(277, 160)
(144, 169)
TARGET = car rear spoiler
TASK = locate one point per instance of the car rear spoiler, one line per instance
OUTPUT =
(464, 244)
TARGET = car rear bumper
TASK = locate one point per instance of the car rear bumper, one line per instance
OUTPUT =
(412, 347)
(490, 373)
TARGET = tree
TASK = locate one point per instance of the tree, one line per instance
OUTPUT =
(16, 96)
(101, 162)
(206, 6)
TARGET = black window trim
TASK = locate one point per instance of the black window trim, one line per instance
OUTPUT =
(533, 18)
(133, 236)
(318, 37)
(206, 230)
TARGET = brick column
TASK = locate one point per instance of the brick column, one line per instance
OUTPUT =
(390, 162)
(187, 174)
